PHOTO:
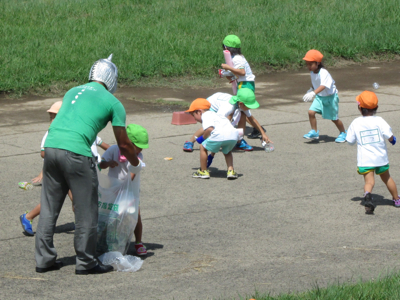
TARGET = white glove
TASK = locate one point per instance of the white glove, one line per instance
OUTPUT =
(309, 96)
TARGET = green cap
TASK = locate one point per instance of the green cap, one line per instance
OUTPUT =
(231, 41)
(138, 135)
(247, 97)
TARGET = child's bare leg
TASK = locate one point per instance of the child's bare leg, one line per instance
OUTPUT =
(313, 119)
(33, 213)
(197, 134)
(139, 229)
(229, 160)
(242, 122)
(203, 158)
(391, 185)
(339, 125)
(369, 182)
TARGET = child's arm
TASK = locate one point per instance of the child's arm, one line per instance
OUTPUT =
(257, 126)
(237, 72)
(207, 132)
(133, 176)
(108, 164)
(104, 146)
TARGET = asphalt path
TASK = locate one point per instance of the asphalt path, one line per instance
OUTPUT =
(291, 221)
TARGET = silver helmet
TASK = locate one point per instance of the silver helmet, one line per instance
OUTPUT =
(106, 72)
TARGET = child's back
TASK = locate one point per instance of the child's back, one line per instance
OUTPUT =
(370, 133)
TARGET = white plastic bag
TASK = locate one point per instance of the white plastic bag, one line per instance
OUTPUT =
(118, 214)
(127, 263)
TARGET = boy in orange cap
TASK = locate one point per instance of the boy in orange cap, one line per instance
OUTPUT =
(324, 96)
(369, 131)
(218, 134)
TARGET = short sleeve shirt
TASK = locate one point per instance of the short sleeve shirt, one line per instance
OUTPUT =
(370, 134)
(220, 104)
(122, 170)
(323, 78)
(85, 111)
(239, 62)
(223, 129)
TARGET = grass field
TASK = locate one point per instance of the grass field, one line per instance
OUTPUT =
(47, 42)
(384, 288)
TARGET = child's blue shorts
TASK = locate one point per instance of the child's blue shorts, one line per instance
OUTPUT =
(213, 146)
(327, 106)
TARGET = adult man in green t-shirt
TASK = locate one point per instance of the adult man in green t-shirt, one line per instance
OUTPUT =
(69, 165)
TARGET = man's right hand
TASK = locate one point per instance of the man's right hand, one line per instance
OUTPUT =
(112, 164)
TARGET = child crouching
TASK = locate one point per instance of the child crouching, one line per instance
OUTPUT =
(370, 132)
(218, 134)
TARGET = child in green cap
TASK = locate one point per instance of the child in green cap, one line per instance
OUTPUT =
(118, 165)
(241, 69)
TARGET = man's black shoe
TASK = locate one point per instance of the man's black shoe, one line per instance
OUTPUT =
(255, 134)
(99, 269)
(57, 266)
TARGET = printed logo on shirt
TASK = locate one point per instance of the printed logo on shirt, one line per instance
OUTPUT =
(370, 137)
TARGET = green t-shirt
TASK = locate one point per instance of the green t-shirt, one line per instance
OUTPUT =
(85, 111)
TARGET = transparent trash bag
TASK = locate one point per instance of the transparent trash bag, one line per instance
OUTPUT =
(118, 214)
(121, 263)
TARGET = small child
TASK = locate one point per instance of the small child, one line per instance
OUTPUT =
(326, 102)
(227, 105)
(240, 69)
(369, 131)
(118, 165)
(218, 134)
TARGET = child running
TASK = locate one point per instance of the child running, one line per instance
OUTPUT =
(119, 169)
(218, 134)
(326, 102)
(242, 71)
(370, 132)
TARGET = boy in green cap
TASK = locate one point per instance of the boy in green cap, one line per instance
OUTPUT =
(118, 165)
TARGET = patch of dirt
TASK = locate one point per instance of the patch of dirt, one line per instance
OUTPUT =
(272, 89)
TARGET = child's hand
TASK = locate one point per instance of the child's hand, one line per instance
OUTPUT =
(393, 141)
(309, 96)
(225, 66)
(112, 164)
(38, 179)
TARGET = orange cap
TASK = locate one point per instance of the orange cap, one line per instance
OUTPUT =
(313, 55)
(55, 107)
(367, 100)
(199, 103)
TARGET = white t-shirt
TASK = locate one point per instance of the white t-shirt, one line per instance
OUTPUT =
(239, 62)
(220, 104)
(323, 78)
(223, 129)
(370, 134)
(96, 143)
(122, 170)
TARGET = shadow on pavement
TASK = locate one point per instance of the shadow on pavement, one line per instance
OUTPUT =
(378, 200)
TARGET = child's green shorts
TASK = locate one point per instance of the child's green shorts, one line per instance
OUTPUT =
(327, 106)
(213, 146)
(247, 84)
(378, 170)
